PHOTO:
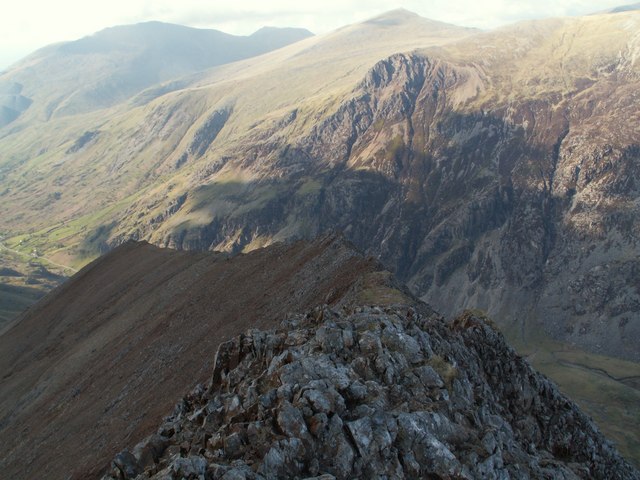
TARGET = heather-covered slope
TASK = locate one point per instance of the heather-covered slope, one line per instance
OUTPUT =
(101, 359)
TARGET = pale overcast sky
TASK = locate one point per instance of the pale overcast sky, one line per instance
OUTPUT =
(26, 25)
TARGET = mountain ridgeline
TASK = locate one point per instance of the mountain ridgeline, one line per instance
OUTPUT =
(481, 174)
(491, 170)
(106, 355)
(117, 63)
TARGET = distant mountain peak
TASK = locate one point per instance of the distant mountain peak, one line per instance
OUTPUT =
(400, 12)
(621, 9)
(393, 17)
(121, 61)
(267, 30)
(626, 8)
(402, 16)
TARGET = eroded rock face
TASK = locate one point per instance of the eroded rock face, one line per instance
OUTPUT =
(373, 392)
(526, 205)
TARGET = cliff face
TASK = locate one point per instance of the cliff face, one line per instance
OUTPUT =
(520, 204)
(372, 392)
(496, 170)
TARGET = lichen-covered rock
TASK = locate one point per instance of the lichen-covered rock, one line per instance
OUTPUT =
(404, 396)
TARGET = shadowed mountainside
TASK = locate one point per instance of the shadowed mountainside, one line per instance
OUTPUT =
(495, 170)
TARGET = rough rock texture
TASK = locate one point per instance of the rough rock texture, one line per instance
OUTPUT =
(372, 392)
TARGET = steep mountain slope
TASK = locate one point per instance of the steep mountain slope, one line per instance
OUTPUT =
(480, 179)
(100, 360)
(503, 178)
(483, 175)
(496, 170)
(97, 165)
(116, 63)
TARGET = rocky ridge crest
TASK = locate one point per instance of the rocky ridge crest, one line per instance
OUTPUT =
(373, 392)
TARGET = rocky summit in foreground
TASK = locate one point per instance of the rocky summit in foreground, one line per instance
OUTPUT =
(373, 392)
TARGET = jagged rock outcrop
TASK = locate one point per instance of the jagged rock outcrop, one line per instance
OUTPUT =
(370, 392)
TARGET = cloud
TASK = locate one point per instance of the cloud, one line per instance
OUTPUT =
(246, 17)
(29, 24)
(331, 14)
